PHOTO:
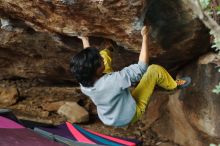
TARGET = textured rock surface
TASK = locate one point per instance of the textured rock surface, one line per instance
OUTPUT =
(74, 112)
(176, 36)
(189, 116)
(172, 118)
(200, 104)
(37, 62)
(32, 55)
(35, 95)
(45, 56)
(173, 125)
(111, 18)
(8, 95)
(54, 106)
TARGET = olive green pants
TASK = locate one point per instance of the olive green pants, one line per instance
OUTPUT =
(155, 75)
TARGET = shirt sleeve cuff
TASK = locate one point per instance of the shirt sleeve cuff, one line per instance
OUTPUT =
(143, 65)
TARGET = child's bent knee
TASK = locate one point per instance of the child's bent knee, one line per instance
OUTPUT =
(154, 67)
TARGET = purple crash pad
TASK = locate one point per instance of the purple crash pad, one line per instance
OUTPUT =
(14, 134)
(7, 123)
(23, 137)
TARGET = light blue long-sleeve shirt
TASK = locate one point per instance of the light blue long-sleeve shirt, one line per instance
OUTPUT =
(111, 94)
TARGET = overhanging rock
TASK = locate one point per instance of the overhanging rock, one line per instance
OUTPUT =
(176, 37)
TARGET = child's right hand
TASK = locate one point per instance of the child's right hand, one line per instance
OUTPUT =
(83, 37)
(85, 41)
(144, 31)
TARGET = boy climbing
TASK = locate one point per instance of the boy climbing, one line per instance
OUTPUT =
(116, 104)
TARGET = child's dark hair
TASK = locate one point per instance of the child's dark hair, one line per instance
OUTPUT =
(85, 64)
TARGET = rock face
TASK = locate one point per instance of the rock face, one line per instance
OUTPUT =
(173, 125)
(201, 105)
(33, 55)
(189, 116)
(114, 18)
(8, 95)
(176, 36)
(46, 56)
(42, 41)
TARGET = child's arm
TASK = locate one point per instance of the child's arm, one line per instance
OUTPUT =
(132, 74)
(144, 55)
(106, 54)
(85, 41)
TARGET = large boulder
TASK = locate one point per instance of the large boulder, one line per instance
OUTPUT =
(188, 116)
(46, 56)
(74, 112)
(173, 125)
(176, 35)
(42, 50)
(201, 105)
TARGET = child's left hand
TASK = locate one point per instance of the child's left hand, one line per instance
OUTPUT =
(144, 31)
